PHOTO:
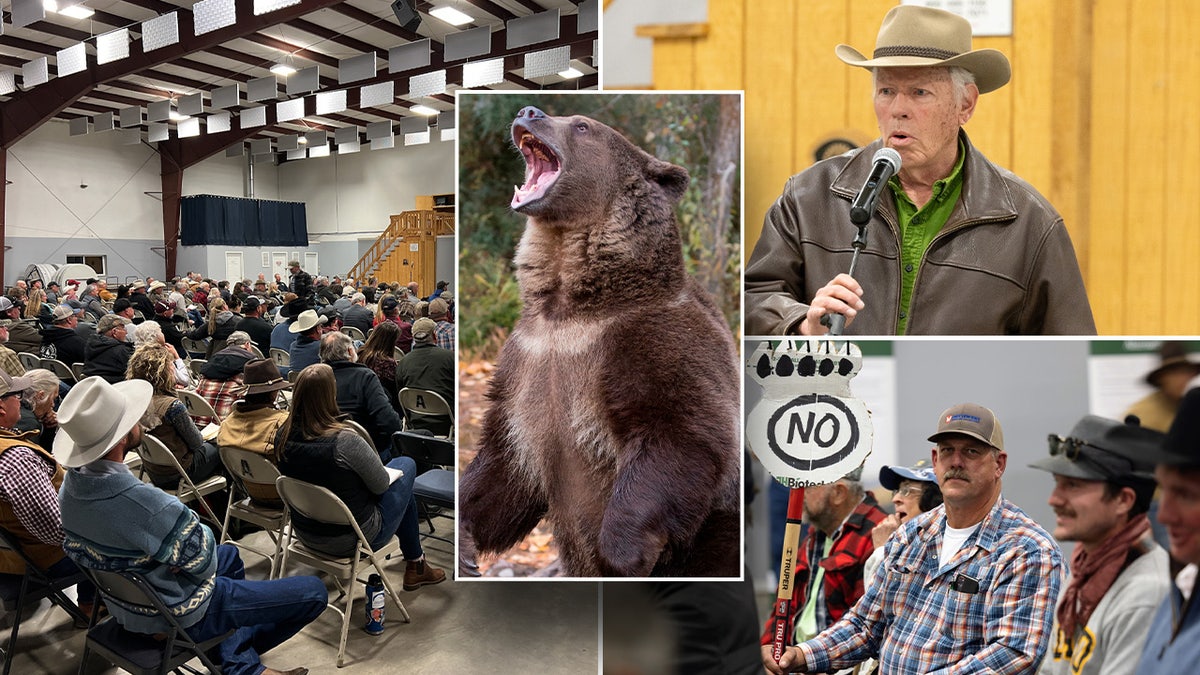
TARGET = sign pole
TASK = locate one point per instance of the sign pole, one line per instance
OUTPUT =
(787, 568)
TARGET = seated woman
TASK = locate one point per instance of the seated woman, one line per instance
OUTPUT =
(318, 449)
(219, 324)
(39, 422)
(167, 420)
(379, 354)
(151, 333)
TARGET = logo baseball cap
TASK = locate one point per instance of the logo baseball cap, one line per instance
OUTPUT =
(971, 419)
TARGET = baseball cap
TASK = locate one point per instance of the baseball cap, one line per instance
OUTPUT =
(971, 419)
(11, 385)
(388, 304)
(251, 303)
(63, 312)
(422, 328)
(890, 477)
(163, 307)
(5, 303)
(1098, 448)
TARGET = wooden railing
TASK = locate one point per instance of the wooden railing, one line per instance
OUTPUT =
(420, 227)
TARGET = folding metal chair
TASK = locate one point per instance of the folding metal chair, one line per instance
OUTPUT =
(434, 483)
(194, 366)
(281, 357)
(256, 351)
(195, 348)
(319, 504)
(197, 405)
(77, 371)
(154, 451)
(136, 652)
(29, 360)
(354, 333)
(425, 404)
(251, 468)
(361, 431)
(62, 370)
(36, 584)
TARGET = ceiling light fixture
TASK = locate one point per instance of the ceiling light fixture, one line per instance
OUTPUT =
(174, 116)
(76, 11)
(570, 74)
(283, 69)
(451, 16)
(423, 110)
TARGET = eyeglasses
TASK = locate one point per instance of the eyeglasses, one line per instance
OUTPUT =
(9, 395)
(910, 491)
(1067, 447)
(972, 452)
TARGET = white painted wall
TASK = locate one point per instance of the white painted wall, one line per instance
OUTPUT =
(348, 198)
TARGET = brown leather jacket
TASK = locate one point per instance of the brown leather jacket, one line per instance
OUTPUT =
(1002, 265)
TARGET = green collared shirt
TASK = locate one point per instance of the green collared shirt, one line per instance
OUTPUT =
(918, 227)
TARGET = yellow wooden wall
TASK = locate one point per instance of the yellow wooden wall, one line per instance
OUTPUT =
(1102, 116)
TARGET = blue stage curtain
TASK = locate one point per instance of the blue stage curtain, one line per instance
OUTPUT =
(233, 221)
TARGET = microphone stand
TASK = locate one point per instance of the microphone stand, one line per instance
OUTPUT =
(834, 321)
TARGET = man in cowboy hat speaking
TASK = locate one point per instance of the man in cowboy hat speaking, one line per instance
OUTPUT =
(957, 245)
(113, 522)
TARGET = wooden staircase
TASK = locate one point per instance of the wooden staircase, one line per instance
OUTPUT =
(407, 250)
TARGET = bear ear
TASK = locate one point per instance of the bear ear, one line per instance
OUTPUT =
(672, 178)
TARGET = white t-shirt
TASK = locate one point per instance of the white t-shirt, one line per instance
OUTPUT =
(953, 540)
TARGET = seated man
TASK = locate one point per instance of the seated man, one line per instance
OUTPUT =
(1118, 574)
(60, 341)
(255, 421)
(29, 480)
(360, 394)
(428, 367)
(221, 378)
(114, 522)
(107, 352)
(305, 351)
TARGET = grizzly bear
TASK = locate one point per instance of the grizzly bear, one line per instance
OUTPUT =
(614, 406)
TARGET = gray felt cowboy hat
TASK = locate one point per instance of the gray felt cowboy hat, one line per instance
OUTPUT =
(922, 36)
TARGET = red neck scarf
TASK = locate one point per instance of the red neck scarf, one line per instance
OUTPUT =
(1092, 574)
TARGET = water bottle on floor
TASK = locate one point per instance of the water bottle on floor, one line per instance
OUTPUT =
(375, 602)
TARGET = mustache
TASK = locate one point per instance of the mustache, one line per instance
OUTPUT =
(956, 473)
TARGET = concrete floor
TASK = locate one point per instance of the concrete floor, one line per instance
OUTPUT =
(457, 627)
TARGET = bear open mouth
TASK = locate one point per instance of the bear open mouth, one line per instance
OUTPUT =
(542, 167)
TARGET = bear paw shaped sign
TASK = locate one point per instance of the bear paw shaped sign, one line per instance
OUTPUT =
(807, 429)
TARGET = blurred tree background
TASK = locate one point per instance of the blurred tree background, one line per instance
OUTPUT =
(700, 132)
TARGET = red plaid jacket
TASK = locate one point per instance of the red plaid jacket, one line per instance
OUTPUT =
(220, 394)
(843, 582)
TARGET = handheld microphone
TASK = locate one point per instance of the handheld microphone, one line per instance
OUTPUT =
(887, 164)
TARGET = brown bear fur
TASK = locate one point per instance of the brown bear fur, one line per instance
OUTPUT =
(614, 407)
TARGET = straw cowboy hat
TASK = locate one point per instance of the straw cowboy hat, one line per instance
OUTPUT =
(921, 36)
(307, 320)
(95, 415)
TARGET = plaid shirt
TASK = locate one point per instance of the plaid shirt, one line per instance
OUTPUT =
(917, 623)
(444, 332)
(220, 394)
(9, 362)
(25, 483)
(843, 579)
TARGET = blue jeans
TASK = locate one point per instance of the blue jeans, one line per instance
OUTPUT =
(399, 510)
(265, 613)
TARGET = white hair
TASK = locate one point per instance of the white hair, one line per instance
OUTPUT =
(44, 384)
(148, 332)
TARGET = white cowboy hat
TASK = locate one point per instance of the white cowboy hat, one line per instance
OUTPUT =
(306, 321)
(94, 417)
(912, 35)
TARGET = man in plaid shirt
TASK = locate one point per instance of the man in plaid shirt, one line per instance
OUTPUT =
(968, 587)
(29, 481)
(829, 570)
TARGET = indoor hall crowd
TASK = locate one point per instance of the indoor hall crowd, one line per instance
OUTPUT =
(118, 408)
